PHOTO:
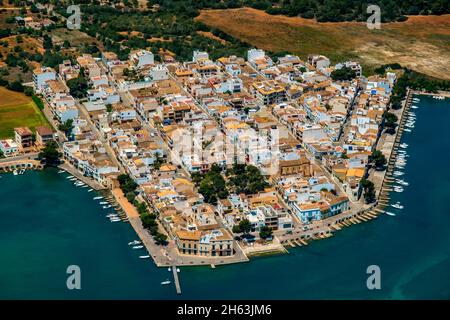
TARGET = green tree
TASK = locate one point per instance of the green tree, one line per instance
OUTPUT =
(160, 239)
(378, 159)
(66, 127)
(244, 226)
(390, 122)
(265, 232)
(369, 190)
(342, 74)
(50, 154)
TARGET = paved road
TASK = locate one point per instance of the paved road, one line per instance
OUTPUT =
(27, 156)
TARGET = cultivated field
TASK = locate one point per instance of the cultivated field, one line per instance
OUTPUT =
(18, 110)
(421, 43)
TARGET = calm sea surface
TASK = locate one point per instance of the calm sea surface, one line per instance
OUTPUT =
(47, 224)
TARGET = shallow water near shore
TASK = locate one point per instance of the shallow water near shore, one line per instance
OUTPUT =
(48, 224)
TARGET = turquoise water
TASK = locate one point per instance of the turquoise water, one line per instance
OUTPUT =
(48, 224)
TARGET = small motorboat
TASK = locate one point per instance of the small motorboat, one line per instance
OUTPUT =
(15, 172)
(390, 213)
(398, 173)
(69, 177)
(112, 215)
(414, 107)
(178, 270)
(61, 171)
(98, 198)
(404, 145)
(144, 257)
(169, 269)
(115, 220)
(407, 130)
(104, 202)
(134, 242)
(22, 171)
(164, 283)
(398, 189)
(90, 190)
(137, 247)
(107, 207)
(397, 206)
(402, 182)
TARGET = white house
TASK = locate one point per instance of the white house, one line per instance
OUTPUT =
(41, 75)
(159, 72)
(8, 147)
(255, 54)
(199, 56)
(142, 58)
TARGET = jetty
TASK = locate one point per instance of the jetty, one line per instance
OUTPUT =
(176, 279)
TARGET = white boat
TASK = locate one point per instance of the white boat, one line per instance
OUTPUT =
(104, 202)
(15, 172)
(69, 177)
(414, 107)
(178, 270)
(402, 182)
(115, 220)
(144, 257)
(134, 242)
(22, 171)
(90, 190)
(61, 171)
(404, 145)
(165, 282)
(397, 206)
(407, 130)
(398, 173)
(169, 269)
(112, 215)
(398, 189)
(390, 213)
(137, 247)
(98, 198)
(107, 207)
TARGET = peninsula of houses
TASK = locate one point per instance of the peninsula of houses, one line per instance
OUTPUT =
(234, 157)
